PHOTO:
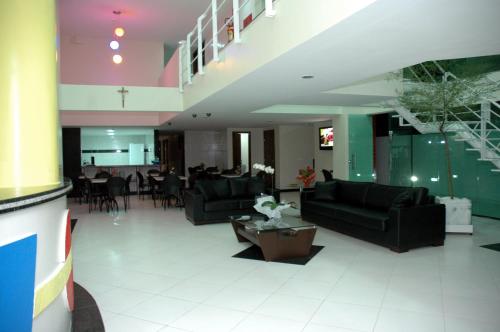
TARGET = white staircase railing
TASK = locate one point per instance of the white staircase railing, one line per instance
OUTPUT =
(480, 128)
(210, 34)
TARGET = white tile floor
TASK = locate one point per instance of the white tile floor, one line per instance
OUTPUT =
(152, 270)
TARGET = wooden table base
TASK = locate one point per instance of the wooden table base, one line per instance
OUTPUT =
(280, 243)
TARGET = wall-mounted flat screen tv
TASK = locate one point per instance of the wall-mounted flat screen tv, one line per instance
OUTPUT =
(326, 138)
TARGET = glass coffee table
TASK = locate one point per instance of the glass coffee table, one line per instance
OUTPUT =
(289, 238)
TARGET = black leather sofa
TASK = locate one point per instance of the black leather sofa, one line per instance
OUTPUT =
(400, 218)
(213, 201)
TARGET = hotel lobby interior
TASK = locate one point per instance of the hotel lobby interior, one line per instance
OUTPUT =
(258, 165)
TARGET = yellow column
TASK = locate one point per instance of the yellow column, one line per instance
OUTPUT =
(29, 120)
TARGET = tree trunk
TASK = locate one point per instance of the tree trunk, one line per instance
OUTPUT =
(451, 191)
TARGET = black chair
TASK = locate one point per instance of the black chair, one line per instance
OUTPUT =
(328, 176)
(154, 189)
(192, 180)
(116, 187)
(140, 184)
(212, 169)
(102, 175)
(153, 171)
(171, 187)
(94, 194)
(246, 175)
(127, 188)
(82, 190)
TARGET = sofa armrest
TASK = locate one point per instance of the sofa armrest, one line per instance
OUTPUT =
(418, 225)
(306, 195)
(194, 204)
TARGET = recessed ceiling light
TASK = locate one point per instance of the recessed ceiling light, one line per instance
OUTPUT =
(119, 32)
(117, 58)
(307, 77)
(110, 130)
(114, 45)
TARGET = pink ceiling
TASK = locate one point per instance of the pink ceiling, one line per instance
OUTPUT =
(156, 20)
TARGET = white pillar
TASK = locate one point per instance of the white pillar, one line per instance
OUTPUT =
(181, 80)
(200, 44)
(236, 21)
(270, 11)
(188, 58)
(215, 39)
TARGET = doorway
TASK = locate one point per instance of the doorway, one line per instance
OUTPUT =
(172, 152)
(242, 148)
(269, 157)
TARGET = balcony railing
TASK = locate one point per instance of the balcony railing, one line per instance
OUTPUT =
(219, 25)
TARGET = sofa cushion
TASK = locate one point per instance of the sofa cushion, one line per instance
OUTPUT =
(404, 199)
(382, 197)
(352, 192)
(239, 187)
(222, 204)
(256, 186)
(369, 218)
(221, 187)
(318, 207)
(325, 191)
(207, 190)
(247, 203)
(420, 195)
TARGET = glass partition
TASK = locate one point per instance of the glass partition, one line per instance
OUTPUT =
(422, 156)
(117, 146)
(360, 148)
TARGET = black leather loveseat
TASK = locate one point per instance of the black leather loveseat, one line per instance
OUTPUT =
(213, 201)
(400, 218)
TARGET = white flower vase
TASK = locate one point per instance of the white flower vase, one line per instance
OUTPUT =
(274, 215)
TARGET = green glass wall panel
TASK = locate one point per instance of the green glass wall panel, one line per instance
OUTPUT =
(400, 162)
(424, 157)
(360, 148)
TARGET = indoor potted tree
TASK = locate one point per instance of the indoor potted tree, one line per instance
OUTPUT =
(439, 100)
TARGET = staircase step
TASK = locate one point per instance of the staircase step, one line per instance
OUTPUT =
(488, 159)
(496, 170)
(472, 149)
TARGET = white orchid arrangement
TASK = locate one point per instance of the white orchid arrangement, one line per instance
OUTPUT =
(262, 167)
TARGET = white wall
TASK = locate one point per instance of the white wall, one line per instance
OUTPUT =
(323, 158)
(245, 166)
(256, 145)
(293, 152)
(81, 97)
(208, 147)
(118, 142)
(170, 75)
(341, 148)
(89, 61)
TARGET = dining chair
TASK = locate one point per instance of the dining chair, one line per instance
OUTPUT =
(116, 187)
(171, 187)
(154, 188)
(127, 188)
(140, 184)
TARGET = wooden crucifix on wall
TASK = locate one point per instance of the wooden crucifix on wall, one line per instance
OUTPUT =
(122, 91)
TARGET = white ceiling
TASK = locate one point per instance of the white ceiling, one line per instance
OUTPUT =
(121, 131)
(383, 37)
(155, 20)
